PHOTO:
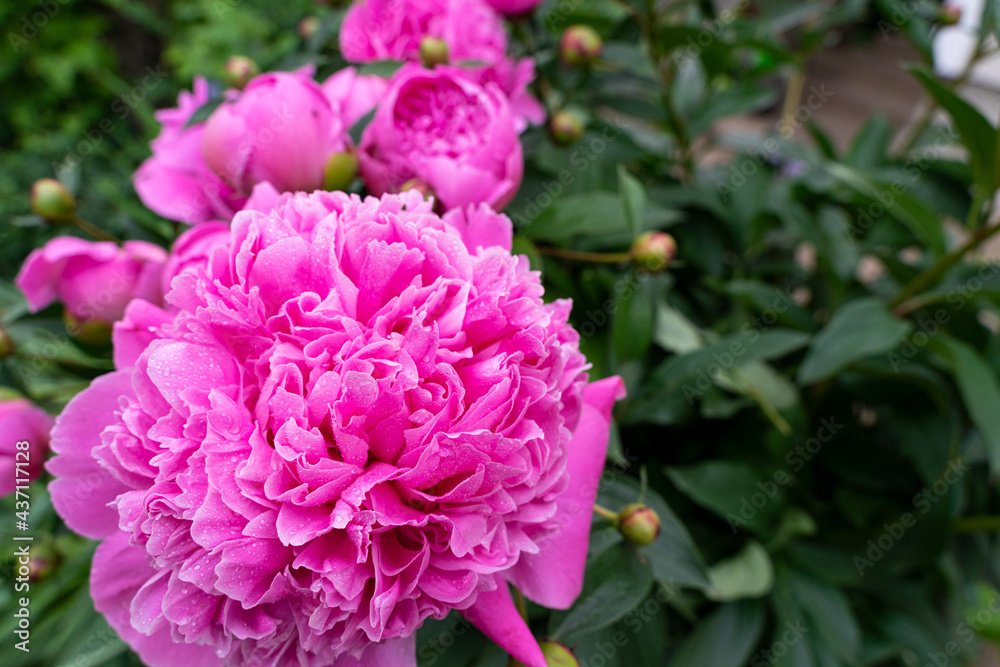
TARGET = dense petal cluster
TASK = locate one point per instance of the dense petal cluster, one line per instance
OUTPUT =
(21, 422)
(444, 128)
(355, 415)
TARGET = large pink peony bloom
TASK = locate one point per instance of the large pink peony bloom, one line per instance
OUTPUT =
(94, 281)
(280, 128)
(361, 415)
(20, 421)
(176, 182)
(444, 128)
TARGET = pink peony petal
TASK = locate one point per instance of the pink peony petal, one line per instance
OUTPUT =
(554, 576)
(83, 489)
(496, 616)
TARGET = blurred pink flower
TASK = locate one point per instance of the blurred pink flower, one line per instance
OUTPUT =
(280, 129)
(353, 95)
(176, 181)
(444, 128)
(359, 415)
(513, 7)
(21, 421)
(94, 281)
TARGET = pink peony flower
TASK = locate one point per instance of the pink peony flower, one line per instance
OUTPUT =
(359, 415)
(20, 422)
(442, 127)
(176, 181)
(353, 95)
(392, 30)
(280, 128)
(94, 281)
(192, 249)
(513, 7)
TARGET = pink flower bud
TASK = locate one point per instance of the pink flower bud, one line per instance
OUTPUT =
(51, 200)
(565, 127)
(239, 70)
(22, 422)
(580, 45)
(639, 524)
(653, 251)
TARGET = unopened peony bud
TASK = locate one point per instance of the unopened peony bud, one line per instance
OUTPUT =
(42, 563)
(308, 27)
(653, 251)
(639, 524)
(6, 344)
(239, 71)
(566, 127)
(433, 51)
(580, 45)
(95, 332)
(51, 200)
(419, 185)
(340, 171)
(557, 655)
(949, 14)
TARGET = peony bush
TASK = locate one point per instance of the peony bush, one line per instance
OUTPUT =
(464, 333)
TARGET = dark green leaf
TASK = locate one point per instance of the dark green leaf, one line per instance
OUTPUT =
(733, 491)
(726, 639)
(862, 328)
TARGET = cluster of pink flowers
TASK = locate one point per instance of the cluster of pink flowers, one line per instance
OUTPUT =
(453, 129)
(332, 417)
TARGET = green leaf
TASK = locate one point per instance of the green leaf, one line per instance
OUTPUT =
(674, 557)
(980, 390)
(726, 639)
(205, 110)
(748, 574)
(587, 214)
(632, 327)
(358, 128)
(862, 328)
(633, 197)
(733, 491)
(892, 198)
(871, 144)
(977, 134)
(385, 68)
(674, 332)
(703, 364)
(615, 583)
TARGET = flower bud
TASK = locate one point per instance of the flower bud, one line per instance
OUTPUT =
(565, 127)
(419, 185)
(433, 51)
(653, 251)
(949, 14)
(94, 332)
(6, 344)
(639, 524)
(580, 45)
(557, 655)
(239, 70)
(42, 563)
(51, 200)
(340, 171)
(308, 26)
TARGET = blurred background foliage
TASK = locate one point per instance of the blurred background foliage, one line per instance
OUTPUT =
(814, 403)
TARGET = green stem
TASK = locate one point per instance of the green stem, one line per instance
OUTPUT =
(583, 256)
(932, 275)
(94, 230)
(976, 524)
(605, 513)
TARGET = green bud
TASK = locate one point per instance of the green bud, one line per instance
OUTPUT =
(639, 524)
(653, 251)
(51, 200)
(565, 127)
(949, 14)
(95, 332)
(557, 655)
(340, 171)
(239, 70)
(433, 51)
(6, 344)
(580, 45)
